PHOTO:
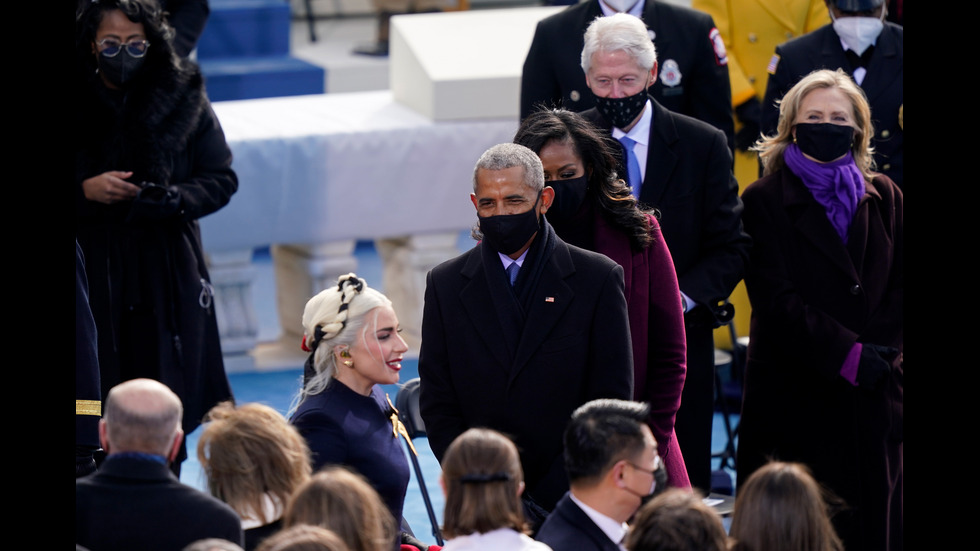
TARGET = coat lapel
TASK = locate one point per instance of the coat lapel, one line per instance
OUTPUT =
(811, 221)
(475, 297)
(866, 228)
(886, 66)
(550, 299)
(661, 158)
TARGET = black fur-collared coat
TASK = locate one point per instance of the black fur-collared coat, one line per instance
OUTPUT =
(149, 288)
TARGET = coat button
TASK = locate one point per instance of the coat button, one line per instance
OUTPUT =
(574, 95)
(753, 38)
(885, 133)
(886, 166)
(855, 289)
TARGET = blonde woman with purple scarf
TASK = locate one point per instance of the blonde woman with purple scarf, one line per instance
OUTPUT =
(824, 376)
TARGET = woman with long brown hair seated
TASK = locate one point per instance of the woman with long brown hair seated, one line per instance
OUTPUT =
(483, 482)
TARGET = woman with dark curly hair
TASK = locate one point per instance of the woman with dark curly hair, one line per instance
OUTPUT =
(593, 209)
(150, 159)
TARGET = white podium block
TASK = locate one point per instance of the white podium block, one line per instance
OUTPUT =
(462, 65)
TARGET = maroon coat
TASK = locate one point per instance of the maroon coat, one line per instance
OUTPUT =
(812, 298)
(657, 330)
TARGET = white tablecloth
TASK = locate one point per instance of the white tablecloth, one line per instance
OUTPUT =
(314, 169)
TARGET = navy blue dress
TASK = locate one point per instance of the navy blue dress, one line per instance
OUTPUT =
(346, 428)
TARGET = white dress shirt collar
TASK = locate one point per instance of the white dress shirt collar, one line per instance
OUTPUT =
(636, 10)
(614, 530)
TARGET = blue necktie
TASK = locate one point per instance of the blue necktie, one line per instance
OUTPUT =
(632, 166)
(512, 273)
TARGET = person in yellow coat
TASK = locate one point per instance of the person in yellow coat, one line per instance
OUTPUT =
(751, 30)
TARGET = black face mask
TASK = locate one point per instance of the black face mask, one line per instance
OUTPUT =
(824, 141)
(120, 68)
(659, 486)
(621, 112)
(507, 233)
(569, 196)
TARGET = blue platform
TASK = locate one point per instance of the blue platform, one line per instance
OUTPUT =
(244, 53)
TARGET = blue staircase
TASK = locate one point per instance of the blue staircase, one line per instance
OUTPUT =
(244, 53)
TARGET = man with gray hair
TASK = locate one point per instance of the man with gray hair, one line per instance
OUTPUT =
(521, 329)
(683, 168)
(134, 501)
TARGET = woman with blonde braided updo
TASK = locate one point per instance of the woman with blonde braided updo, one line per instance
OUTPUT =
(353, 338)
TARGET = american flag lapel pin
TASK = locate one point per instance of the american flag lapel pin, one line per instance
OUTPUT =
(549, 299)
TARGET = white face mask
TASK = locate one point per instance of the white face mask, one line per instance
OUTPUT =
(859, 32)
(621, 6)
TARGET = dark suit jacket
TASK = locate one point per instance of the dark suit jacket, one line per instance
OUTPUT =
(479, 370)
(883, 85)
(812, 298)
(134, 503)
(689, 179)
(553, 73)
(568, 528)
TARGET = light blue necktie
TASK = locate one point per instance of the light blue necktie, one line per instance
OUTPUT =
(512, 273)
(632, 166)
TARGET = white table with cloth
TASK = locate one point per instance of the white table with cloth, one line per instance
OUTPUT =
(317, 173)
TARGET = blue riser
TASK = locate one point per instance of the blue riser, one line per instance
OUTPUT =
(245, 28)
(261, 78)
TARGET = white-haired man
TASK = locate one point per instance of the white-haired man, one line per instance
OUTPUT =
(694, 61)
(683, 168)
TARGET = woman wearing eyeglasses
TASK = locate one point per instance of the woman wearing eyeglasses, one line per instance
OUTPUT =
(150, 159)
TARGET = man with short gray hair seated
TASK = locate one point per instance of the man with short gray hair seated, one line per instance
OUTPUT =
(134, 501)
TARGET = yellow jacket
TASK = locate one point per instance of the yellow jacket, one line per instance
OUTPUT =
(752, 29)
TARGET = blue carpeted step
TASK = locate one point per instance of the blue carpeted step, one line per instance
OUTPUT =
(260, 77)
(245, 28)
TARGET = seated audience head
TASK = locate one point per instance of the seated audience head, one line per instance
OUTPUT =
(352, 334)
(677, 520)
(253, 458)
(782, 507)
(304, 537)
(213, 544)
(343, 501)
(611, 457)
(483, 482)
(142, 415)
(620, 64)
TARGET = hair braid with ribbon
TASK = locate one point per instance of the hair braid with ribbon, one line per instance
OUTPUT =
(334, 319)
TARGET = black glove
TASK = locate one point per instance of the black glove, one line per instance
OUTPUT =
(748, 114)
(155, 202)
(876, 362)
(84, 461)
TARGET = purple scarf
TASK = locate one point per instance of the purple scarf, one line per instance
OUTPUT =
(837, 185)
